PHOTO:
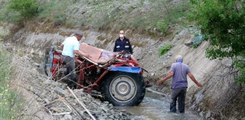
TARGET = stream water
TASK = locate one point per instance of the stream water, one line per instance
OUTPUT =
(156, 107)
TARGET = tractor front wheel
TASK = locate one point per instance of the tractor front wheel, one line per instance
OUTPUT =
(124, 89)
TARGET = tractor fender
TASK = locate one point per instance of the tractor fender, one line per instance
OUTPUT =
(125, 69)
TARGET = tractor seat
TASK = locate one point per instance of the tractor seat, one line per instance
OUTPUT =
(97, 55)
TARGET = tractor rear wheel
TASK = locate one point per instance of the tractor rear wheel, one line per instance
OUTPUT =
(124, 89)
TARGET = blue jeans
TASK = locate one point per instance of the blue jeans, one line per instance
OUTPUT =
(178, 94)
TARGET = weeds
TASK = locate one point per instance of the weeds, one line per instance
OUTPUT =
(55, 11)
(163, 25)
(164, 49)
(173, 13)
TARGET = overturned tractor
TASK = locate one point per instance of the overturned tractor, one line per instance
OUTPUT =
(117, 76)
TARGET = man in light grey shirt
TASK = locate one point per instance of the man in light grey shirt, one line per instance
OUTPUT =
(179, 72)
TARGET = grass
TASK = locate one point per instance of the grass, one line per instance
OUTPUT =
(174, 14)
(164, 49)
(54, 10)
(9, 99)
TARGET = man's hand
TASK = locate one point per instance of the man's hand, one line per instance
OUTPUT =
(199, 85)
(169, 75)
(159, 82)
(61, 46)
(194, 79)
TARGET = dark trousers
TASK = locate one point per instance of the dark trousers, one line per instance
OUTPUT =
(178, 94)
(69, 63)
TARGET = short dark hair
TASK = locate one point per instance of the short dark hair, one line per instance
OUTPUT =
(78, 34)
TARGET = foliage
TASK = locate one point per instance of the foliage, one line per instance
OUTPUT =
(163, 25)
(18, 10)
(164, 49)
(9, 101)
(240, 64)
(7, 14)
(224, 23)
(26, 8)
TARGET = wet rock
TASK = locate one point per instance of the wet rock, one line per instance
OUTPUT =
(201, 114)
(67, 117)
(36, 64)
(63, 86)
(227, 62)
(208, 115)
(60, 91)
(152, 74)
(47, 82)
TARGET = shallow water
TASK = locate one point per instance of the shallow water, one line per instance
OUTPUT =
(156, 107)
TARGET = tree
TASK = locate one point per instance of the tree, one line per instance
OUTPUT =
(223, 21)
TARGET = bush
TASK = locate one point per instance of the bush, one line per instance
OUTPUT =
(223, 22)
(26, 8)
(164, 49)
(18, 10)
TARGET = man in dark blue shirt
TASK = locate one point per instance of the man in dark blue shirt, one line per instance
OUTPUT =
(122, 44)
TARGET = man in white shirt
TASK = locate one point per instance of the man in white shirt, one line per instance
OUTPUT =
(70, 48)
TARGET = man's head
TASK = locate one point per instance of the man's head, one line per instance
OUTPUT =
(121, 34)
(78, 36)
(179, 58)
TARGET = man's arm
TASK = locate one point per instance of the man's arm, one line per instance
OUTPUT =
(61, 46)
(76, 52)
(169, 75)
(194, 79)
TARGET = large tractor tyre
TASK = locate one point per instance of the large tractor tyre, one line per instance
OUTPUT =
(124, 89)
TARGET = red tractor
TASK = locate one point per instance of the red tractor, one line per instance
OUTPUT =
(117, 76)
